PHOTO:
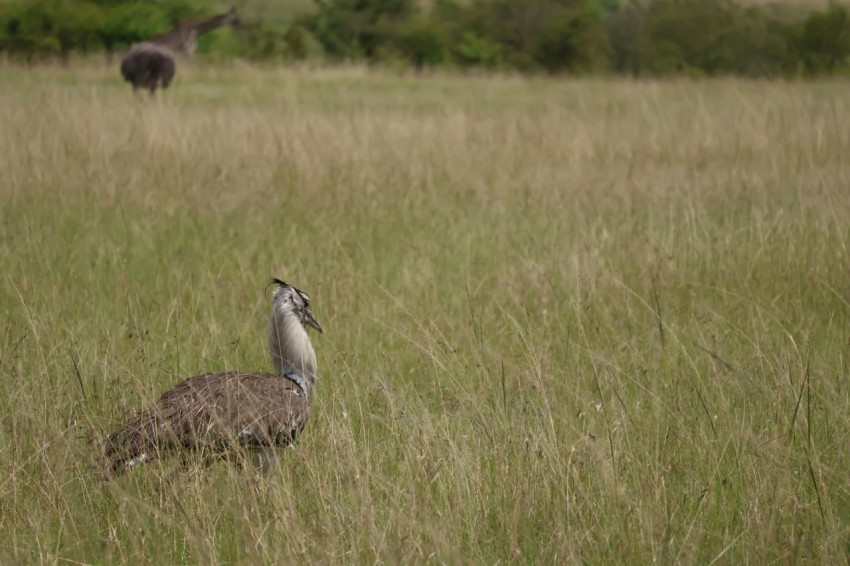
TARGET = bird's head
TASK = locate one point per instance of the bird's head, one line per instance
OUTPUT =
(290, 301)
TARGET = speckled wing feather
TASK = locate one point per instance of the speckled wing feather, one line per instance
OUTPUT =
(213, 411)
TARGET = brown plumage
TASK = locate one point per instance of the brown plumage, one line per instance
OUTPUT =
(217, 412)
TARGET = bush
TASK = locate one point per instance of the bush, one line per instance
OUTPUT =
(128, 23)
(45, 27)
(639, 37)
(421, 43)
(710, 37)
(258, 42)
(573, 39)
(624, 27)
(823, 42)
(553, 35)
(351, 29)
(50, 27)
(477, 51)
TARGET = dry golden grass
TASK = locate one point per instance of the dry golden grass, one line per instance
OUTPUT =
(565, 320)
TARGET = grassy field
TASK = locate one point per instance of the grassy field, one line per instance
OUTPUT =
(565, 321)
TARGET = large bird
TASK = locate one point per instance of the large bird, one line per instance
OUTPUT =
(215, 413)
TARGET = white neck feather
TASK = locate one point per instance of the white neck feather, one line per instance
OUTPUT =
(290, 346)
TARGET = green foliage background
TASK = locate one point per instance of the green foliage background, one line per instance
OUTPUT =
(651, 37)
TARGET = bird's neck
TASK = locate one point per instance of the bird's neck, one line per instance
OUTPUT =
(291, 350)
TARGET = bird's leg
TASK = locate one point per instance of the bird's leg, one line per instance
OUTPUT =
(264, 460)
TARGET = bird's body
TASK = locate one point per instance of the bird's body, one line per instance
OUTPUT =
(216, 412)
(148, 65)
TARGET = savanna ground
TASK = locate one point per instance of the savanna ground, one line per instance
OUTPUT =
(565, 320)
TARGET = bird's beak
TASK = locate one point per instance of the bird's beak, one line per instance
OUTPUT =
(311, 320)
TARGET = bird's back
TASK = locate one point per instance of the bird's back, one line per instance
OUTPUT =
(214, 411)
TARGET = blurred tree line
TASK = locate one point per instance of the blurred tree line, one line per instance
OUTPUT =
(637, 37)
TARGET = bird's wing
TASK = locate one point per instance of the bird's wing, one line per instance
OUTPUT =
(214, 410)
(258, 409)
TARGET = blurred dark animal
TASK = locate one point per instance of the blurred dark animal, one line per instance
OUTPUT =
(148, 65)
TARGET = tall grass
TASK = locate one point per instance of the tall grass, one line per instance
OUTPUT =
(566, 321)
